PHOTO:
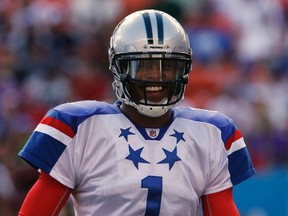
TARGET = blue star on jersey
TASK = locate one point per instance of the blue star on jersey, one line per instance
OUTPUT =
(178, 136)
(135, 157)
(171, 158)
(125, 133)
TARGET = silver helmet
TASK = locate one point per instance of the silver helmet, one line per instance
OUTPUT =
(146, 39)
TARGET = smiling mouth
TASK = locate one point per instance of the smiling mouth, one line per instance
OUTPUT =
(154, 88)
(154, 93)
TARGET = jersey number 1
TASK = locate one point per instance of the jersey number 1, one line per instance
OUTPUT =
(154, 185)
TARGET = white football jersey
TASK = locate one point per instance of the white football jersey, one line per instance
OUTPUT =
(118, 168)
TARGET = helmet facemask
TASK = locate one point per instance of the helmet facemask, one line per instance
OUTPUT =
(152, 83)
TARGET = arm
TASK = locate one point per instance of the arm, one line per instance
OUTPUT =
(46, 197)
(219, 204)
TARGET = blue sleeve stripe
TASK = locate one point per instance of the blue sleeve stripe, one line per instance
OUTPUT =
(44, 152)
(240, 166)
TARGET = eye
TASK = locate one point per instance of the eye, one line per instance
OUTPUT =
(169, 65)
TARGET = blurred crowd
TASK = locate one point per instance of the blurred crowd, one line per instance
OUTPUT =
(55, 51)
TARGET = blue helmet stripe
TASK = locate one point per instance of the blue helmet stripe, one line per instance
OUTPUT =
(159, 20)
(148, 27)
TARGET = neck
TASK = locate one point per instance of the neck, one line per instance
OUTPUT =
(145, 121)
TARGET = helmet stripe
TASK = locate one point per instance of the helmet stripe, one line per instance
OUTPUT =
(148, 27)
(159, 20)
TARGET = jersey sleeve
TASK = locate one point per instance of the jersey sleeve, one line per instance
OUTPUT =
(52, 147)
(48, 142)
(239, 161)
(229, 159)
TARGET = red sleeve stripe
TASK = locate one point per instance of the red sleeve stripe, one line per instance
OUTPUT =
(55, 123)
(237, 135)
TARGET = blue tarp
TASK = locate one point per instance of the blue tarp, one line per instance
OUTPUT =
(265, 194)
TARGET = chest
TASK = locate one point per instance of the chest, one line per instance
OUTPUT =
(118, 154)
(130, 163)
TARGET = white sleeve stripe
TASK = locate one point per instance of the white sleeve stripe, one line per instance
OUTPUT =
(56, 134)
(238, 144)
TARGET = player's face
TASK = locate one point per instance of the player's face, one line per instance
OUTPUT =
(155, 73)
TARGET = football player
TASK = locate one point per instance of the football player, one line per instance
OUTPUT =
(140, 155)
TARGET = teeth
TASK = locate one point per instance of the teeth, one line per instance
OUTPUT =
(154, 88)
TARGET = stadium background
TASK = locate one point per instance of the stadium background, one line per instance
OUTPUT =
(55, 51)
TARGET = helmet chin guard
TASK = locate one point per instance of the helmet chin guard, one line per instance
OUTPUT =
(150, 111)
(154, 111)
(139, 42)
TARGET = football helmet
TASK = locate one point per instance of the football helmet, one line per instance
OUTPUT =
(151, 50)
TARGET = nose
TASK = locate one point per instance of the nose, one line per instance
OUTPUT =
(154, 74)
